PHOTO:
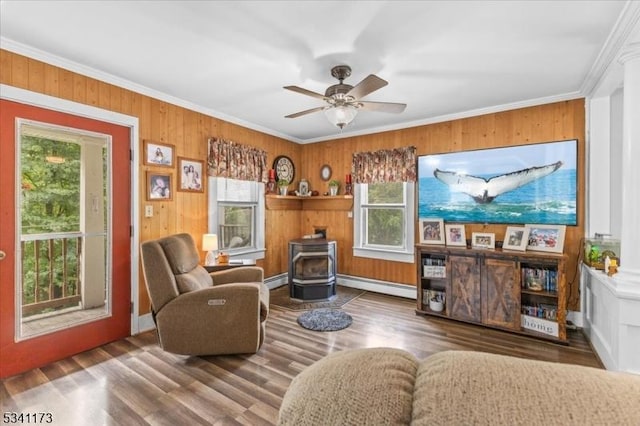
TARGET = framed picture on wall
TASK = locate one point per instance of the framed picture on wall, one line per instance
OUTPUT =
(431, 231)
(159, 186)
(158, 154)
(190, 178)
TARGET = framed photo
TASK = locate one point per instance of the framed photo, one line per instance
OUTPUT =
(455, 235)
(516, 238)
(159, 186)
(431, 231)
(158, 154)
(190, 175)
(546, 238)
(483, 240)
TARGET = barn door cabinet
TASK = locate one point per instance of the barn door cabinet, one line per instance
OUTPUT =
(518, 292)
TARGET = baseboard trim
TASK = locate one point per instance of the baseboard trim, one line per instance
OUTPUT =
(276, 281)
(146, 323)
(377, 286)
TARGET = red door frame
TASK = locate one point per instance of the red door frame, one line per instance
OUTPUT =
(20, 356)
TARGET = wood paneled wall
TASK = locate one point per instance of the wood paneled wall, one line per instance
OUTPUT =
(546, 123)
(188, 132)
(162, 122)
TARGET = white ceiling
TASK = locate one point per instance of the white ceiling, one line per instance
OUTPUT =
(231, 59)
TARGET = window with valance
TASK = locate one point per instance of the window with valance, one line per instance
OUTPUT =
(236, 161)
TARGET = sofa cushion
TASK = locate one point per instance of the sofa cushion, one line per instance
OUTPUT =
(461, 387)
(196, 279)
(355, 387)
(181, 253)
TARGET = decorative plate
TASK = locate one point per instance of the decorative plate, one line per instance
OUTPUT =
(325, 172)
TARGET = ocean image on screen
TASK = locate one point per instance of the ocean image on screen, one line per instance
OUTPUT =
(539, 184)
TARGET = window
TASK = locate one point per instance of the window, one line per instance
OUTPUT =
(236, 215)
(383, 221)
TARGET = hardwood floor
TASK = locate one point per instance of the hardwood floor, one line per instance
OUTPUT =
(134, 382)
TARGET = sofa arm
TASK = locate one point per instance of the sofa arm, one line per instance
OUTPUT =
(215, 320)
(238, 275)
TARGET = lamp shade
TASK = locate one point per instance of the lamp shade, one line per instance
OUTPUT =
(341, 115)
(209, 242)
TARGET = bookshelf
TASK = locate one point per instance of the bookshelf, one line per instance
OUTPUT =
(520, 292)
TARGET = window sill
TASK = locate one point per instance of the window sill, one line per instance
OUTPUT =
(394, 256)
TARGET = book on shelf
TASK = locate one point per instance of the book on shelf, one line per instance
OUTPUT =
(540, 310)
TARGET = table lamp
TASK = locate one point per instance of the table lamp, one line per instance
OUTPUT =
(210, 245)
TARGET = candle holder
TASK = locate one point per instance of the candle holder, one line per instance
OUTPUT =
(271, 184)
(348, 185)
(348, 189)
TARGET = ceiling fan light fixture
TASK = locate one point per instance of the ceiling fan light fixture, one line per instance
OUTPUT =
(341, 115)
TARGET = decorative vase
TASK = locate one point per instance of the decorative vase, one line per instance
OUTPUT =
(333, 190)
(283, 190)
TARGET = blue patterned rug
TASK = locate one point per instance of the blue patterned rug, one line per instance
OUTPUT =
(325, 320)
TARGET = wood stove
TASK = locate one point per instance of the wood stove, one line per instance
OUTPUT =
(312, 269)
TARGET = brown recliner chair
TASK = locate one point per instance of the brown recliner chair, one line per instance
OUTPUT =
(201, 313)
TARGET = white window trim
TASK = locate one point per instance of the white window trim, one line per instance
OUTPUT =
(256, 252)
(405, 255)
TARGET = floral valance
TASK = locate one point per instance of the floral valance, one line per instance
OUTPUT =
(387, 165)
(236, 161)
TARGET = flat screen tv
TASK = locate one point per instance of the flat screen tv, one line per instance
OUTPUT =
(513, 185)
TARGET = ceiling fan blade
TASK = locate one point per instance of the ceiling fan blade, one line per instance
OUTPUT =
(382, 106)
(370, 84)
(305, 92)
(305, 112)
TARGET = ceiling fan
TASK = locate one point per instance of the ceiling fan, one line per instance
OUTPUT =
(343, 100)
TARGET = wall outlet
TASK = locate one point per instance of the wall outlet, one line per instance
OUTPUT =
(148, 211)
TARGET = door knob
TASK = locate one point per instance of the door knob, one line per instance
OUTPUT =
(2, 255)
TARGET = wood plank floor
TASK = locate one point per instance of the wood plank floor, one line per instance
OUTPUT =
(133, 382)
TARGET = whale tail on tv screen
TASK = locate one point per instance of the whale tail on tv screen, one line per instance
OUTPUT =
(484, 191)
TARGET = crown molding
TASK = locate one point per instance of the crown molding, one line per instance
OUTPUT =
(606, 62)
(455, 116)
(40, 55)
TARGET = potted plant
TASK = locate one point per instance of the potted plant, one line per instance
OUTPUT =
(283, 186)
(333, 187)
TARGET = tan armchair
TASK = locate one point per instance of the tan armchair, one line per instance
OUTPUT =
(200, 313)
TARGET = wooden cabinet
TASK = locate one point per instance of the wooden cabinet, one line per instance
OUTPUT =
(519, 292)
(464, 298)
(500, 295)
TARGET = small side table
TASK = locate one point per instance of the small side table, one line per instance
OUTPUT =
(233, 263)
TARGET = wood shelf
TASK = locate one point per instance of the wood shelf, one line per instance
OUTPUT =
(319, 202)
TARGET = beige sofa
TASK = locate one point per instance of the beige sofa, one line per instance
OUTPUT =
(384, 386)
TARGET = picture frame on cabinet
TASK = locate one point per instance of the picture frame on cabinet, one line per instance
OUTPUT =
(190, 175)
(158, 154)
(455, 235)
(432, 230)
(159, 186)
(516, 238)
(548, 238)
(483, 240)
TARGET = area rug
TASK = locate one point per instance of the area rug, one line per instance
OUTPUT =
(280, 297)
(325, 320)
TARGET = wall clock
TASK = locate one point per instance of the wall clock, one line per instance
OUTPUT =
(325, 172)
(284, 168)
